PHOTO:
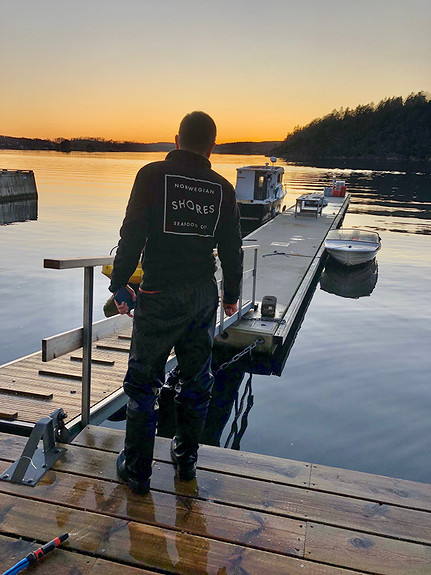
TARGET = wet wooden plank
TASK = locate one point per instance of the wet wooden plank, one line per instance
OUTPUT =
(246, 527)
(366, 552)
(261, 496)
(210, 458)
(374, 487)
(290, 501)
(143, 545)
(60, 562)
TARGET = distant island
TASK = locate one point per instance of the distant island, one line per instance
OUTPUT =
(393, 130)
(102, 145)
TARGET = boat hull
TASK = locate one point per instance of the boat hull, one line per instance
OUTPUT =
(352, 247)
(254, 214)
(350, 256)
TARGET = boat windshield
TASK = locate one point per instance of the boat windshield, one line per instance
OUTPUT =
(354, 235)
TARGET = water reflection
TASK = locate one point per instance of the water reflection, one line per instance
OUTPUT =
(397, 195)
(229, 395)
(18, 211)
(173, 550)
(225, 394)
(349, 281)
(400, 194)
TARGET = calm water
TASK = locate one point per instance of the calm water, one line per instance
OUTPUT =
(356, 388)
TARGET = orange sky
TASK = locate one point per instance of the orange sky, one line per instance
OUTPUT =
(131, 70)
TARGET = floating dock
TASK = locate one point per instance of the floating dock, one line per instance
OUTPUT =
(244, 514)
(291, 250)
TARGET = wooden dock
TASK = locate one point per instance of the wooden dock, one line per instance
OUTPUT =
(290, 253)
(244, 514)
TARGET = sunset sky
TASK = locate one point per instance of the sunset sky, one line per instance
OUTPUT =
(131, 69)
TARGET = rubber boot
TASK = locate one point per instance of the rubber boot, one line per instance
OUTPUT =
(190, 422)
(134, 463)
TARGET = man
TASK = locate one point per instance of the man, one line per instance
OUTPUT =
(179, 211)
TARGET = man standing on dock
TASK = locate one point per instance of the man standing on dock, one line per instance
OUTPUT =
(178, 212)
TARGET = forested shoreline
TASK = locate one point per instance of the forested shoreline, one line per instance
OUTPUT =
(102, 145)
(393, 130)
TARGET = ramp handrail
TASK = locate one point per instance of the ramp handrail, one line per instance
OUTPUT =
(84, 335)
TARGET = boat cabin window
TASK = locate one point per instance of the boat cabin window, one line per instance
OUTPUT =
(260, 185)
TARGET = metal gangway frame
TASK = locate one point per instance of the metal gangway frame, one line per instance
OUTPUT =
(64, 343)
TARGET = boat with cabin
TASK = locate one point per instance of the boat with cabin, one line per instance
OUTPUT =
(259, 193)
(352, 247)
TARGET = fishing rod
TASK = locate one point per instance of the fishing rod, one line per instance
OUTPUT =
(35, 555)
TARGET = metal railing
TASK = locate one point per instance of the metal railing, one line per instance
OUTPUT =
(59, 345)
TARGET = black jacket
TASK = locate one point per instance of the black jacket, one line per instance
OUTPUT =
(179, 211)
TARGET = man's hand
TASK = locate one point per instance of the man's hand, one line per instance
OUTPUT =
(230, 308)
(124, 299)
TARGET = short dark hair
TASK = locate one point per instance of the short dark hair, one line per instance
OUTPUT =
(197, 132)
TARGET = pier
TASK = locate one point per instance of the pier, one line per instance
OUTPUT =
(245, 513)
(291, 250)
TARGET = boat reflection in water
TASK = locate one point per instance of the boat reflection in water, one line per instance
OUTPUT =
(350, 282)
(18, 211)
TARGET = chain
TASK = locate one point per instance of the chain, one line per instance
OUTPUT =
(265, 319)
(238, 356)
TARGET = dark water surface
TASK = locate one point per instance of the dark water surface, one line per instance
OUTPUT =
(356, 388)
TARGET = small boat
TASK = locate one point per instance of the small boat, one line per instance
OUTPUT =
(352, 247)
(259, 193)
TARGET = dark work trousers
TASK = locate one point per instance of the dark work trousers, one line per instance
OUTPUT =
(182, 318)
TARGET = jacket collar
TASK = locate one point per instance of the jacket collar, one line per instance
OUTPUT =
(189, 158)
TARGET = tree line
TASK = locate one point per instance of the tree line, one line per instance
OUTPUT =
(102, 145)
(394, 129)
(80, 145)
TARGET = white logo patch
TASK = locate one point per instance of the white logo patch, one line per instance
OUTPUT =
(192, 207)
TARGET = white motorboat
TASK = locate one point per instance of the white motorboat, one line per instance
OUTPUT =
(352, 247)
(259, 193)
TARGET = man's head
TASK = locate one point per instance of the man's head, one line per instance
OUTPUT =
(197, 134)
